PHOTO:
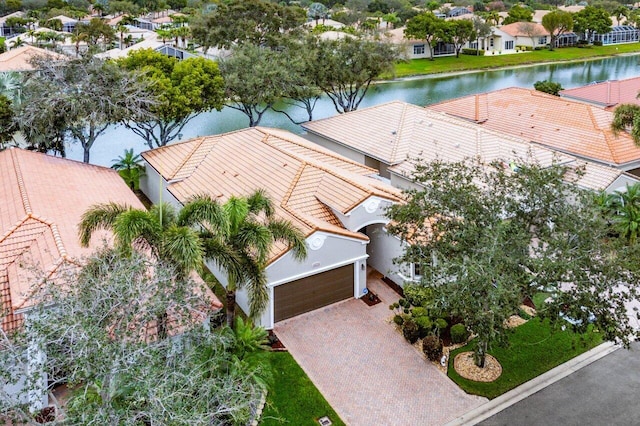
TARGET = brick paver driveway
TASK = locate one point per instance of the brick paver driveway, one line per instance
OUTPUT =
(366, 370)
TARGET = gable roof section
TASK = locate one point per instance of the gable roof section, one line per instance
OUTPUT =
(524, 29)
(42, 201)
(607, 94)
(564, 125)
(18, 59)
(306, 182)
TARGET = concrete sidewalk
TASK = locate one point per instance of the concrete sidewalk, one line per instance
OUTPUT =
(534, 385)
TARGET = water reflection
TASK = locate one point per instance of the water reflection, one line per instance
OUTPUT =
(422, 91)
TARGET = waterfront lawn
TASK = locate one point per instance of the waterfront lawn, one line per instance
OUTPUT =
(533, 349)
(293, 399)
(467, 62)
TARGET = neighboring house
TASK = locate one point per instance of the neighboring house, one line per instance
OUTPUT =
(525, 34)
(68, 24)
(18, 59)
(608, 94)
(416, 49)
(334, 201)
(458, 11)
(558, 123)
(618, 35)
(392, 136)
(5, 29)
(43, 199)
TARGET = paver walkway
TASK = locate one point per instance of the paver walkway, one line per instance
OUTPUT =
(366, 370)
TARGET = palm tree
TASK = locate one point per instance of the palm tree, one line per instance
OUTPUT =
(122, 30)
(129, 167)
(159, 230)
(11, 86)
(252, 231)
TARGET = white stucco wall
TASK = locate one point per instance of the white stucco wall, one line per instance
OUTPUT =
(150, 185)
(325, 251)
(372, 210)
(402, 182)
(620, 184)
(382, 249)
(335, 147)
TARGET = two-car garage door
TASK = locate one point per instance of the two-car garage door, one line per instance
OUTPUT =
(313, 292)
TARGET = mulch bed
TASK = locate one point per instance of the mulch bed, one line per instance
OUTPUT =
(275, 343)
(371, 298)
(466, 367)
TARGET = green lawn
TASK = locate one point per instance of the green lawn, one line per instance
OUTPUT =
(467, 62)
(293, 398)
(533, 350)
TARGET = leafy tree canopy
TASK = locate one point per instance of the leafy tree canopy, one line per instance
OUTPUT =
(518, 13)
(428, 27)
(7, 127)
(591, 20)
(487, 236)
(100, 336)
(256, 22)
(549, 87)
(182, 89)
(557, 22)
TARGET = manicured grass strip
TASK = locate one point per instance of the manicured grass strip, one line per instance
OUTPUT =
(533, 350)
(467, 62)
(293, 399)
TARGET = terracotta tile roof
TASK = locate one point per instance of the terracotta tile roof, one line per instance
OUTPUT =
(521, 29)
(607, 94)
(304, 180)
(561, 124)
(41, 201)
(397, 131)
(18, 59)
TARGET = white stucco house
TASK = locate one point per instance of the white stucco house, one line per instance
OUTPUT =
(336, 202)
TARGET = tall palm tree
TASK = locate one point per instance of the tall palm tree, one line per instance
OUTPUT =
(252, 231)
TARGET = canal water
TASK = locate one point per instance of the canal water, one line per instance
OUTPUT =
(419, 91)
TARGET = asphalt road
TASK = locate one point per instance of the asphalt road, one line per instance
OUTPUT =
(606, 392)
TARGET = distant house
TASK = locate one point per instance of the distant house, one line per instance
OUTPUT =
(563, 125)
(337, 203)
(619, 34)
(5, 29)
(608, 94)
(416, 49)
(458, 11)
(68, 24)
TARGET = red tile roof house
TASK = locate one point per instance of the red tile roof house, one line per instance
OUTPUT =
(337, 203)
(558, 123)
(42, 199)
(389, 137)
(608, 94)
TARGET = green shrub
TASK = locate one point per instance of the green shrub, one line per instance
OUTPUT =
(398, 319)
(440, 324)
(419, 311)
(459, 333)
(597, 43)
(549, 87)
(418, 295)
(403, 303)
(472, 52)
(425, 325)
(432, 347)
(524, 48)
(410, 331)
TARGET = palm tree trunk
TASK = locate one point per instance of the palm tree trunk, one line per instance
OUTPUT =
(231, 307)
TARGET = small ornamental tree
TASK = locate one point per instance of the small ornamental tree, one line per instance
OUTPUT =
(489, 235)
(548, 87)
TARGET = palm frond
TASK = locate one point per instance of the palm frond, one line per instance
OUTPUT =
(99, 216)
(285, 231)
(182, 246)
(204, 210)
(237, 209)
(166, 211)
(255, 239)
(224, 256)
(134, 224)
(259, 202)
(256, 287)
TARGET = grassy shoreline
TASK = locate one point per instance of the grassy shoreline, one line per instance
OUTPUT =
(465, 63)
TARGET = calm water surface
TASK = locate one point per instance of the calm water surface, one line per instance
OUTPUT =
(423, 91)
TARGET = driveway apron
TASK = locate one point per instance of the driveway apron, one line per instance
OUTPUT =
(366, 370)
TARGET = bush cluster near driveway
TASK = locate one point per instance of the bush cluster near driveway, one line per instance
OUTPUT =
(467, 62)
(293, 399)
(533, 349)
